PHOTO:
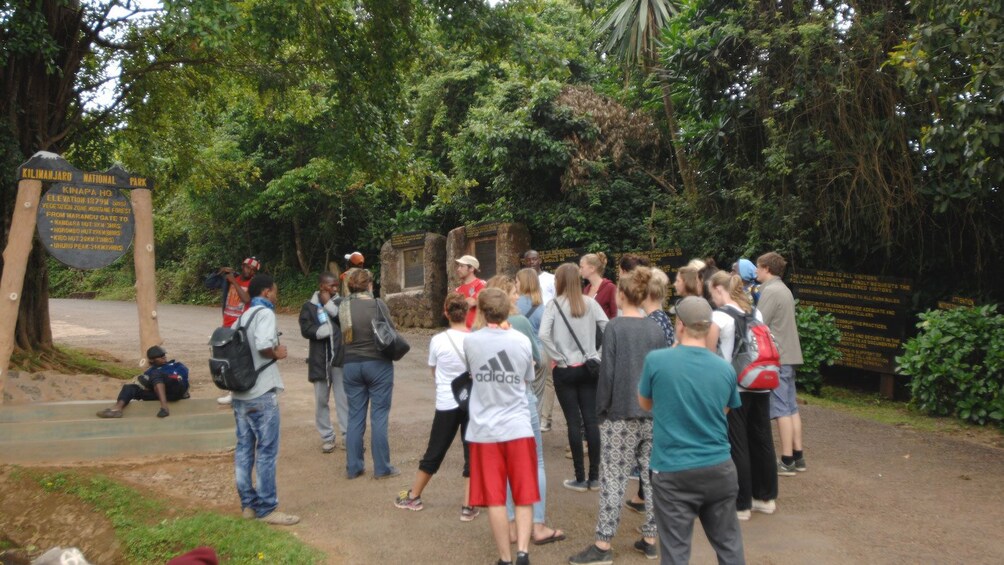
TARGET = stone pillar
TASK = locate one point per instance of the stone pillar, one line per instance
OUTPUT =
(415, 299)
(507, 242)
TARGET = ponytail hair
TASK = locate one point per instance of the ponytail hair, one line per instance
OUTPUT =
(596, 260)
(634, 285)
(734, 285)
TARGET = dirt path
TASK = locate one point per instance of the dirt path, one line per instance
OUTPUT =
(873, 493)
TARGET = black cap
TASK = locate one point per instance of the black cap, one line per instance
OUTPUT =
(155, 352)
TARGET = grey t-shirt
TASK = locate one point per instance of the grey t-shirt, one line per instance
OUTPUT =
(501, 365)
(263, 334)
(626, 342)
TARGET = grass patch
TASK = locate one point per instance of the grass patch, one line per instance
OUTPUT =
(70, 361)
(150, 536)
(875, 407)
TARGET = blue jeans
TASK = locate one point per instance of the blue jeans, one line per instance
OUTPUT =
(257, 447)
(366, 383)
(539, 506)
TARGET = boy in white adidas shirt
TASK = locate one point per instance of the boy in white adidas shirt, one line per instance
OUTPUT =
(502, 446)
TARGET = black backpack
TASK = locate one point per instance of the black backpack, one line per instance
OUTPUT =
(230, 360)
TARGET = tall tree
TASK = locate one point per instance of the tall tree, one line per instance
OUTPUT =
(632, 29)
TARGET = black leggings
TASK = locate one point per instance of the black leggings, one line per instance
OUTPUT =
(444, 428)
(576, 392)
(173, 390)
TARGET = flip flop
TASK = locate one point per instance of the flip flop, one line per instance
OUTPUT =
(556, 535)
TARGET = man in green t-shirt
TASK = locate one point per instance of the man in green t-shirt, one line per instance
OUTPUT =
(689, 391)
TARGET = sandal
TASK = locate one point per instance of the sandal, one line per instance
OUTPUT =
(556, 535)
(110, 413)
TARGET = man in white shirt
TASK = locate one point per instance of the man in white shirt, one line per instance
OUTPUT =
(531, 259)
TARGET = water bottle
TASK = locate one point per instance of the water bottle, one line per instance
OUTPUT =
(322, 316)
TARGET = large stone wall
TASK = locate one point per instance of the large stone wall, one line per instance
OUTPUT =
(511, 241)
(416, 306)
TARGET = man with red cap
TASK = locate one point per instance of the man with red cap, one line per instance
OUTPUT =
(235, 298)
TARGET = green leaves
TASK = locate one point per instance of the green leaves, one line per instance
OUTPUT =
(818, 336)
(957, 364)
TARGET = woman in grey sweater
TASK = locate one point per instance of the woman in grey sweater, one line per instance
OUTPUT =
(570, 317)
(625, 428)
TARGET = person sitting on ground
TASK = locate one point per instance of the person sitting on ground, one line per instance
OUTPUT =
(165, 381)
(447, 363)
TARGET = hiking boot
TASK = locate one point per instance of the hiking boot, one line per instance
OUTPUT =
(225, 400)
(649, 550)
(592, 555)
(638, 507)
(744, 515)
(327, 447)
(764, 506)
(522, 558)
(110, 413)
(407, 502)
(785, 470)
(800, 465)
(468, 513)
(577, 486)
(277, 518)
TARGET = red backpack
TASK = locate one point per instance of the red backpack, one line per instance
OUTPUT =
(755, 356)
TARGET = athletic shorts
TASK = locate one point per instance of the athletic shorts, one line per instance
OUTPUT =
(782, 398)
(495, 464)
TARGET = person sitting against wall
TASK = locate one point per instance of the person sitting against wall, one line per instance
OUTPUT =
(165, 381)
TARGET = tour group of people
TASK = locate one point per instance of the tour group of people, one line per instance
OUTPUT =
(645, 394)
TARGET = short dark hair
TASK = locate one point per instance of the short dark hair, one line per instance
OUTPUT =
(326, 276)
(259, 284)
(631, 261)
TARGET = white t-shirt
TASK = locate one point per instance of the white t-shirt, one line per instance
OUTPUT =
(727, 333)
(448, 365)
(547, 291)
(501, 366)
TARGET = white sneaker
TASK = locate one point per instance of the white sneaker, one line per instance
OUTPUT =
(225, 400)
(743, 515)
(327, 447)
(764, 506)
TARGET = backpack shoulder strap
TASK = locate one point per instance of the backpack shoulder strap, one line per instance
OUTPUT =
(569, 326)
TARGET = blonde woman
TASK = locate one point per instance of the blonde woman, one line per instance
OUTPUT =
(749, 425)
(531, 304)
(568, 332)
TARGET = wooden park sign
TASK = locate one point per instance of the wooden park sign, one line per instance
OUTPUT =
(85, 221)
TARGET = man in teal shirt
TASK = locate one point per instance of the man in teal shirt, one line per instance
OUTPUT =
(689, 391)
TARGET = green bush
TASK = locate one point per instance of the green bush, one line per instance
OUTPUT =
(957, 364)
(818, 335)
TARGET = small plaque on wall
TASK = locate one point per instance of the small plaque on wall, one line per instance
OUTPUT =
(485, 251)
(414, 267)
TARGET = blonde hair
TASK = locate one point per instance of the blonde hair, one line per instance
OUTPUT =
(529, 284)
(734, 285)
(691, 281)
(657, 285)
(358, 280)
(506, 284)
(568, 284)
(596, 260)
(634, 285)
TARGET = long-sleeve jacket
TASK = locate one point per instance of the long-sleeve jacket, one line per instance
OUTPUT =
(626, 342)
(556, 338)
(325, 341)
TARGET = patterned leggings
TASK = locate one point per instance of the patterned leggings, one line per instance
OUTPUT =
(624, 445)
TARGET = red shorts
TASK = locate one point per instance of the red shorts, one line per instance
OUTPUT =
(493, 464)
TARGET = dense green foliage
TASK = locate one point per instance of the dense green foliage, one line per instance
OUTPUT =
(957, 364)
(151, 532)
(858, 137)
(818, 335)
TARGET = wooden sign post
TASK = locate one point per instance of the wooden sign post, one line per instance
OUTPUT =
(84, 221)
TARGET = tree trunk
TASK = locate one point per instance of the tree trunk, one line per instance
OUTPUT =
(37, 96)
(686, 172)
(298, 242)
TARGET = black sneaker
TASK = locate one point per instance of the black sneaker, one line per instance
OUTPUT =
(638, 507)
(522, 558)
(649, 550)
(592, 555)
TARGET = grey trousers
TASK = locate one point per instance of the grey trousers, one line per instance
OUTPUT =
(708, 493)
(543, 387)
(322, 414)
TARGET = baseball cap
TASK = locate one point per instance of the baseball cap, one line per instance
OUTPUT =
(469, 260)
(355, 258)
(694, 312)
(253, 262)
(155, 352)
